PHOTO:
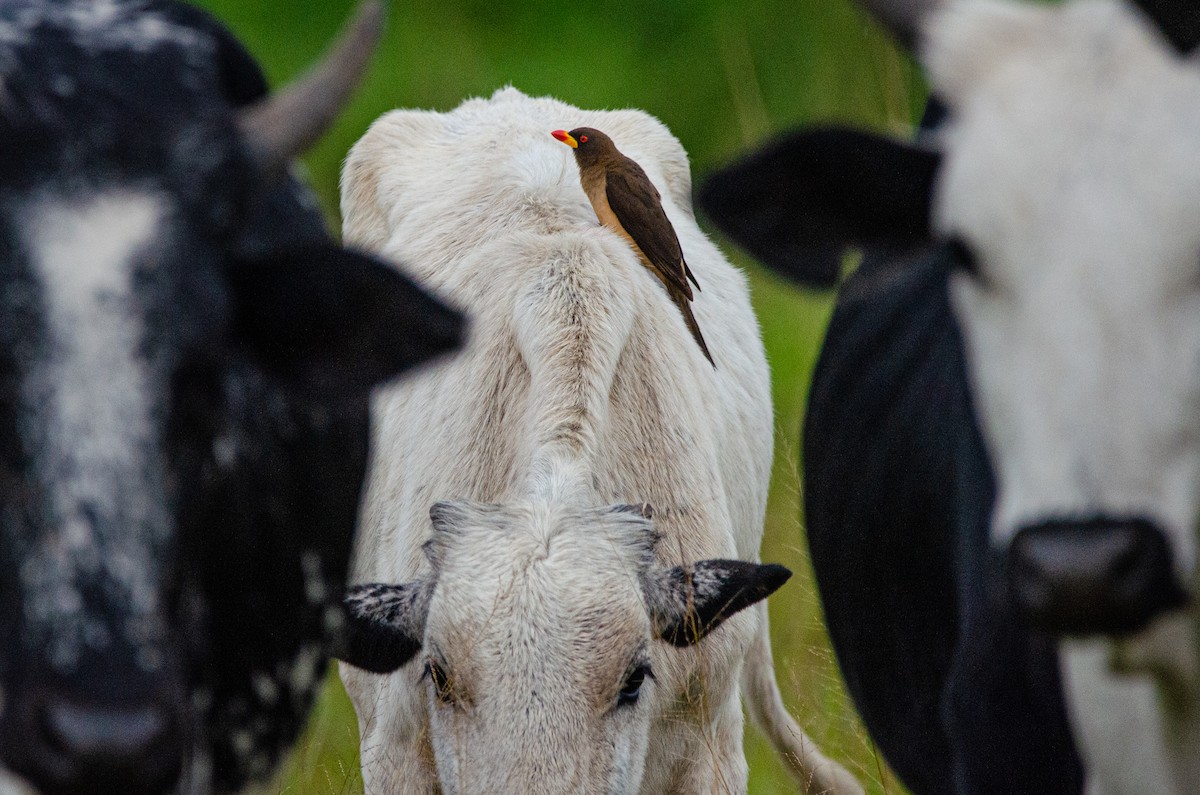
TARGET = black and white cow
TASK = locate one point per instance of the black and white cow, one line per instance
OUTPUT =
(1002, 448)
(185, 361)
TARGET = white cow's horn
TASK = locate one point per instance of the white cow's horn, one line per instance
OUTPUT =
(287, 123)
(903, 17)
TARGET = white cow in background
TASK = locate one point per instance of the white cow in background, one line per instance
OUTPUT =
(537, 601)
(1055, 209)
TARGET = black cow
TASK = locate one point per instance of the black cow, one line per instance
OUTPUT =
(958, 694)
(185, 362)
(972, 504)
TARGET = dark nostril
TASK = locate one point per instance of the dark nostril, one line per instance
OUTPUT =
(1126, 562)
(86, 749)
(1137, 566)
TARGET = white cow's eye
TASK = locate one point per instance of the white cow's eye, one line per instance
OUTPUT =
(633, 685)
(441, 682)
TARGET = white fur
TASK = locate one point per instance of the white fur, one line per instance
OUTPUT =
(1072, 169)
(11, 785)
(92, 385)
(580, 388)
(99, 25)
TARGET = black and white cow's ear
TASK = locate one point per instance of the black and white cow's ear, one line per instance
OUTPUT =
(334, 322)
(385, 625)
(688, 603)
(798, 203)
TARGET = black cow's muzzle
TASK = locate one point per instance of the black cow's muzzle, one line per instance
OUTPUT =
(1098, 576)
(68, 742)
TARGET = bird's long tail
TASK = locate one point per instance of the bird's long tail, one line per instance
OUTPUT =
(685, 307)
(815, 772)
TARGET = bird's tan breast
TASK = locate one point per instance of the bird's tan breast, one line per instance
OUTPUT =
(596, 187)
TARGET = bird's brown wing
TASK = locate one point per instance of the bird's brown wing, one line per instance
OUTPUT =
(637, 205)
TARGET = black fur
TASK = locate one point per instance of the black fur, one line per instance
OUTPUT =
(688, 604)
(798, 202)
(304, 322)
(898, 494)
(1178, 20)
(261, 339)
(239, 76)
(386, 625)
(959, 694)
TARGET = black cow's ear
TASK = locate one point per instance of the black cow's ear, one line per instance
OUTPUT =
(334, 322)
(687, 604)
(798, 203)
(385, 625)
(1178, 20)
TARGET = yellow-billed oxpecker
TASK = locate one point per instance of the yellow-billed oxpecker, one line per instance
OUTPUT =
(626, 201)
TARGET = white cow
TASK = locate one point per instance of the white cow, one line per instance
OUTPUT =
(537, 600)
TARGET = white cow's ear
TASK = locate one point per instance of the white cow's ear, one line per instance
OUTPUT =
(334, 323)
(687, 604)
(450, 519)
(385, 625)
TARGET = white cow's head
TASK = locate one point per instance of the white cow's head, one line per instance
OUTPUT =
(548, 638)
(1064, 188)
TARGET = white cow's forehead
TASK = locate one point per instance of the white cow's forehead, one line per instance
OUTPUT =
(573, 562)
(88, 418)
(582, 544)
(1065, 118)
(509, 109)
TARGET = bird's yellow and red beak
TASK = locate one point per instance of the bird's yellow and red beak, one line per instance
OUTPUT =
(566, 138)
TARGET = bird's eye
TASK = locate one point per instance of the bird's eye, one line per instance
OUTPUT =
(583, 139)
(441, 682)
(633, 685)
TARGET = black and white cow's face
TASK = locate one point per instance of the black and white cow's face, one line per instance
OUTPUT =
(102, 325)
(1064, 186)
(185, 361)
(1070, 182)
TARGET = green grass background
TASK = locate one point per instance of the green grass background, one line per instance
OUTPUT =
(723, 75)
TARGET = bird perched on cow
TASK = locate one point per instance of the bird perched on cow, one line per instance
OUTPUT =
(525, 458)
(626, 201)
